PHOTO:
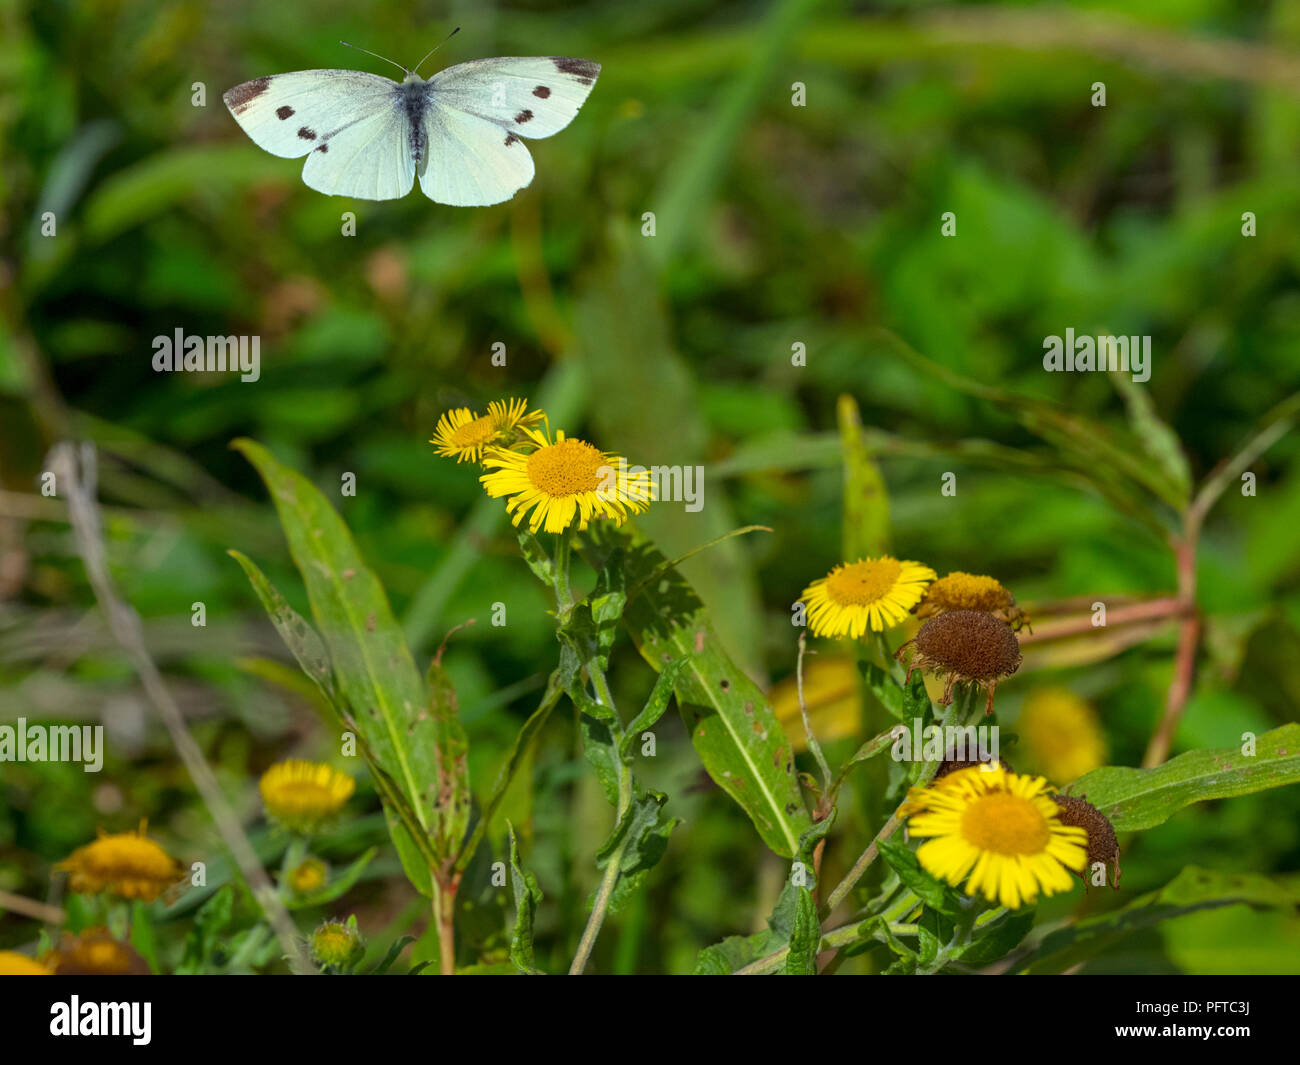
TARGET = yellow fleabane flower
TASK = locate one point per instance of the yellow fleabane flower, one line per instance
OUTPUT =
(1001, 830)
(302, 796)
(127, 864)
(465, 436)
(872, 594)
(14, 964)
(565, 482)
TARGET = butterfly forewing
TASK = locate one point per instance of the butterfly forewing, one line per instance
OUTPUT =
(291, 114)
(528, 96)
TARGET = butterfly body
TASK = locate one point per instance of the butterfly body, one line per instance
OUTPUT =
(369, 137)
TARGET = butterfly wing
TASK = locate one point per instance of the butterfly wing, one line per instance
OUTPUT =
(478, 112)
(353, 125)
(471, 161)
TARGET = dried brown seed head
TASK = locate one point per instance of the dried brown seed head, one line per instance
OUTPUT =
(1103, 846)
(970, 644)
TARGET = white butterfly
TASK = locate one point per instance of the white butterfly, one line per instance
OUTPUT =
(367, 136)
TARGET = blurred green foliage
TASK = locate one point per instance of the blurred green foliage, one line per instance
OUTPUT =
(775, 225)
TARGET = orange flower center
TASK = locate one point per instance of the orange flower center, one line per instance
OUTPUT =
(863, 583)
(566, 468)
(475, 433)
(1005, 824)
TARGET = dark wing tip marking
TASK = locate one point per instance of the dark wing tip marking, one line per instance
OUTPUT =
(542, 92)
(306, 134)
(238, 98)
(583, 70)
(523, 117)
(284, 112)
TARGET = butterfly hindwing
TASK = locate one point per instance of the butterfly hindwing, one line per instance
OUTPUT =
(528, 96)
(369, 159)
(471, 161)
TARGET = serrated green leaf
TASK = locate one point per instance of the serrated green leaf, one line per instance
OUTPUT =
(1134, 799)
(933, 892)
(536, 557)
(805, 936)
(1056, 950)
(735, 952)
(602, 755)
(734, 730)
(998, 939)
(642, 837)
(528, 896)
(654, 707)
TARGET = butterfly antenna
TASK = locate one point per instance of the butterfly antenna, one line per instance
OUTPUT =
(436, 47)
(376, 55)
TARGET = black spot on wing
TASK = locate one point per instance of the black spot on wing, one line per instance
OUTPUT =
(306, 134)
(582, 70)
(238, 98)
(542, 92)
(511, 139)
(324, 148)
(523, 117)
(284, 112)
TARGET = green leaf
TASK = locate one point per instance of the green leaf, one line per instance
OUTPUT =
(805, 927)
(933, 892)
(528, 896)
(601, 754)
(866, 500)
(523, 739)
(374, 672)
(210, 921)
(536, 557)
(998, 939)
(868, 750)
(301, 639)
(1158, 440)
(654, 707)
(642, 836)
(906, 704)
(451, 803)
(391, 955)
(805, 936)
(736, 734)
(735, 952)
(143, 936)
(1055, 950)
(1135, 799)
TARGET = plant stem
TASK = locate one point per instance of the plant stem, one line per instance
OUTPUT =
(1189, 631)
(444, 918)
(868, 856)
(813, 745)
(599, 684)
